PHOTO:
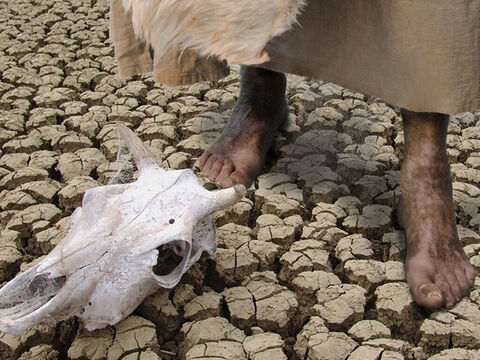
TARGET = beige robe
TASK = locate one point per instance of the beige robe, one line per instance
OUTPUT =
(423, 55)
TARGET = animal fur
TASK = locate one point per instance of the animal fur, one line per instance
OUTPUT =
(234, 30)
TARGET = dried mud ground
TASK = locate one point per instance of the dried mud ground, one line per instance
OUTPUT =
(308, 266)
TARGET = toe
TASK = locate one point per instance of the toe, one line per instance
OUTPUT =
(462, 281)
(209, 163)
(470, 274)
(424, 291)
(226, 171)
(215, 169)
(427, 294)
(443, 284)
(236, 177)
(203, 159)
(455, 287)
(240, 178)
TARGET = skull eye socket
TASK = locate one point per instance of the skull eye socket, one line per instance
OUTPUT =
(169, 257)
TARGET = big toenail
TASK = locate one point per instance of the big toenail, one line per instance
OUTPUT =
(429, 291)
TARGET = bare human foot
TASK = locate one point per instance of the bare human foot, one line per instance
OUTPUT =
(437, 269)
(239, 154)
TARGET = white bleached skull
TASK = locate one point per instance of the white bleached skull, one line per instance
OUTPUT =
(103, 268)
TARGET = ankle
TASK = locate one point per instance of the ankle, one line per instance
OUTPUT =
(426, 159)
(262, 85)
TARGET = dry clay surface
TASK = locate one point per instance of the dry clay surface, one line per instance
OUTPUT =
(309, 265)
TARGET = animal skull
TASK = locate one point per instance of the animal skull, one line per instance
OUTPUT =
(103, 268)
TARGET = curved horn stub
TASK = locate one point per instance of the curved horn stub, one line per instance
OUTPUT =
(141, 154)
(226, 197)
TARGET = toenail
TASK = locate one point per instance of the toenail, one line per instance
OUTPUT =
(232, 181)
(429, 291)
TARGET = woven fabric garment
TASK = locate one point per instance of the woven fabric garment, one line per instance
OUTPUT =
(423, 55)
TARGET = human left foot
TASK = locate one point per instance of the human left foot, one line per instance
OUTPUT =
(437, 269)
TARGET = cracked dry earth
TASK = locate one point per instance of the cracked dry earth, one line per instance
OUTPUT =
(309, 265)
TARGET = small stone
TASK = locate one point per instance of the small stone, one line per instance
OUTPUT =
(435, 335)
(197, 144)
(42, 117)
(22, 176)
(304, 255)
(324, 209)
(353, 247)
(241, 306)
(465, 334)
(264, 346)
(24, 220)
(456, 354)
(313, 327)
(203, 123)
(366, 273)
(466, 310)
(159, 309)
(372, 223)
(332, 346)
(132, 334)
(239, 213)
(397, 245)
(396, 345)
(40, 352)
(43, 159)
(207, 305)
(323, 118)
(467, 236)
(392, 355)
(22, 144)
(280, 205)
(10, 256)
(70, 142)
(394, 271)
(368, 187)
(210, 350)
(275, 304)
(183, 294)
(325, 232)
(272, 228)
(14, 161)
(37, 334)
(16, 200)
(309, 282)
(70, 197)
(213, 331)
(265, 252)
(42, 191)
(92, 345)
(10, 346)
(44, 241)
(368, 329)
(366, 352)
(340, 305)
(395, 306)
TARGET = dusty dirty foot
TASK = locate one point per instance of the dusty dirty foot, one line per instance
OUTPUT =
(437, 269)
(239, 154)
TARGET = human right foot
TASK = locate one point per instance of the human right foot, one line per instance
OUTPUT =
(239, 154)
